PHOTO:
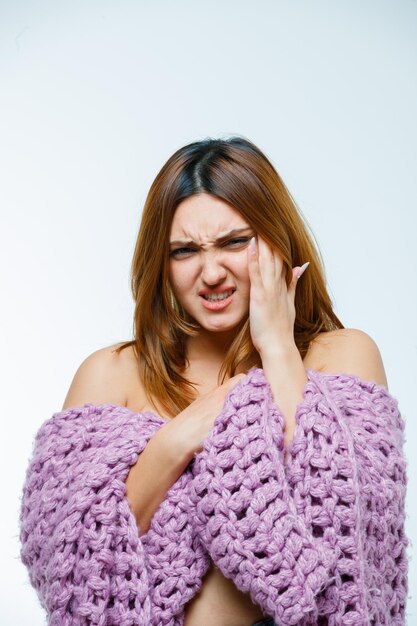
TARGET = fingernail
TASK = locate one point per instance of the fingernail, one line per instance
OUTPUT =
(252, 245)
(302, 269)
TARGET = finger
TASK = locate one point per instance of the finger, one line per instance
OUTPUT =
(265, 250)
(279, 265)
(293, 284)
(302, 269)
(253, 264)
(267, 263)
(237, 377)
(297, 272)
(231, 382)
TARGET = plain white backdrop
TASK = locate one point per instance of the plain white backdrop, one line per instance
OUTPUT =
(97, 95)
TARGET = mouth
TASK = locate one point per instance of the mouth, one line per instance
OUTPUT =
(213, 297)
(215, 302)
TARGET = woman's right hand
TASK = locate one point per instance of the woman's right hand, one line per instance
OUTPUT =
(190, 428)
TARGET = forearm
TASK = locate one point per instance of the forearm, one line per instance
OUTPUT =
(284, 369)
(156, 470)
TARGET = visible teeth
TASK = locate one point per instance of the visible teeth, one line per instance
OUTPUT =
(218, 296)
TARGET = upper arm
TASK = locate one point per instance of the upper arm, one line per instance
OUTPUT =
(352, 351)
(99, 380)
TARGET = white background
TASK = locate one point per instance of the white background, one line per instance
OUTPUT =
(95, 96)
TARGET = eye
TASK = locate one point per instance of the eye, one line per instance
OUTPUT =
(238, 241)
(180, 252)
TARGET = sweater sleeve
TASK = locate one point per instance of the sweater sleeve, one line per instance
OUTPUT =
(245, 513)
(79, 537)
(321, 538)
(348, 476)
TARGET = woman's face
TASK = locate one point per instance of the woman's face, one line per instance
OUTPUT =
(208, 256)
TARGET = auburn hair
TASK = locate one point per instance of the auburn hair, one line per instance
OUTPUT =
(236, 171)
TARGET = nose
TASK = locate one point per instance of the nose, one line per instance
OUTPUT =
(213, 272)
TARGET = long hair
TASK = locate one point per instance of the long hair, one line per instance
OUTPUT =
(237, 172)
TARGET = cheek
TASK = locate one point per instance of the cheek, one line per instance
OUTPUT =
(173, 278)
(240, 266)
(180, 277)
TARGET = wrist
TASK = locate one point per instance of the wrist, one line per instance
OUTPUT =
(280, 350)
(175, 445)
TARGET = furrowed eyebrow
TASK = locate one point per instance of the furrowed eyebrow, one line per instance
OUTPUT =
(232, 233)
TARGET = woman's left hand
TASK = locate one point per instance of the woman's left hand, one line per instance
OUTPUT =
(271, 308)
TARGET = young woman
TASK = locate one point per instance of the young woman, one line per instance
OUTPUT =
(225, 276)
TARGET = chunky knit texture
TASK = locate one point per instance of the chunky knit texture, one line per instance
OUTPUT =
(316, 540)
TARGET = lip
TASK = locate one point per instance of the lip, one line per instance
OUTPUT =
(219, 305)
(205, 292)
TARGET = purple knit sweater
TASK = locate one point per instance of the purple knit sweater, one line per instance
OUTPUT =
(317, 540)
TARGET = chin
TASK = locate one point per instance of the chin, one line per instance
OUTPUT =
(223, 328)
(220, 325)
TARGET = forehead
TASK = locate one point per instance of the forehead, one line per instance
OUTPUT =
(204, 216)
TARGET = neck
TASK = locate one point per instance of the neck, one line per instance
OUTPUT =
(208, 350)
(207, 346)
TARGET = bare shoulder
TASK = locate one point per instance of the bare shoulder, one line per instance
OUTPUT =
(102, 378)
(349, 351)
